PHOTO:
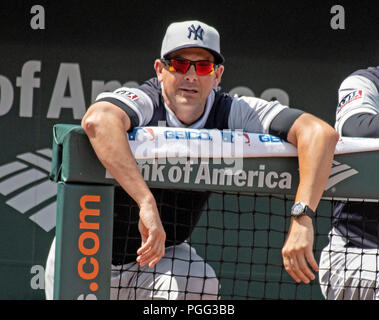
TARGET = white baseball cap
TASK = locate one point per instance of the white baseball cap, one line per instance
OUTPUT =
(192, 34)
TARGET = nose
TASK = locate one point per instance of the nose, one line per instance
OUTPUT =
(191, 74)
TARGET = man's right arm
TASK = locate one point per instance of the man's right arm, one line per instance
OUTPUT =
(106, 125)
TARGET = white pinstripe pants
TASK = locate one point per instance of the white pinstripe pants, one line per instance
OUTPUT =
(180, 274)
(347, 273)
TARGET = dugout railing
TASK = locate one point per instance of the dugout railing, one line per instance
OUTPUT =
(85, 216)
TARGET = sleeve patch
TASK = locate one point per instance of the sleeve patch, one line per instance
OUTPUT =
(127, 94)
(352, 96)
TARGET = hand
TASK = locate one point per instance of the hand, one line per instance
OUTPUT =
(297, 251)
(153, 236)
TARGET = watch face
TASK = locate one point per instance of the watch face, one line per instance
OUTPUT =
(298, 208)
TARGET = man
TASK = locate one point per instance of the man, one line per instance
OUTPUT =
(185, 93)
(349, 264)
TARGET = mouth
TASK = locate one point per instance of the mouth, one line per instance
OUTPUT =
(189, 91)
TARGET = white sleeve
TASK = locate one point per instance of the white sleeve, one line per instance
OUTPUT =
(253, 114)
(357, 94)
(136, 103)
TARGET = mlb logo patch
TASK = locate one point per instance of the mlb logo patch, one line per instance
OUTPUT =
(352, 96)
(128, 94)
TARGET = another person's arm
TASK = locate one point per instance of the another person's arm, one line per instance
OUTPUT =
(358, 108)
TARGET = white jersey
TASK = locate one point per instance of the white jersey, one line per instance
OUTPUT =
(357, 94)
(146, 107)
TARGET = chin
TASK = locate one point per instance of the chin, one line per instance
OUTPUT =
(186, 103)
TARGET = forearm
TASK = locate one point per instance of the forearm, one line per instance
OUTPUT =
(108, 139)
(316, 143)
(106, 126)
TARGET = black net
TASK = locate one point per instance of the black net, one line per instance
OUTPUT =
(232, 248)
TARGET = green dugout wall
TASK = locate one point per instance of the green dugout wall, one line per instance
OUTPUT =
(85, 204)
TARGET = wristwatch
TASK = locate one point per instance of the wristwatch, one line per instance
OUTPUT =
(301, 209)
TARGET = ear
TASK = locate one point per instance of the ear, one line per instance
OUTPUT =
(158, 66)
(218, 74)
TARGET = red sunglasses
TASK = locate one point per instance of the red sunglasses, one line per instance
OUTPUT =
(202, 67)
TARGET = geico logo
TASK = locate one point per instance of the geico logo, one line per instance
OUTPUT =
(189, 135)
(88, 242)
(269, 138)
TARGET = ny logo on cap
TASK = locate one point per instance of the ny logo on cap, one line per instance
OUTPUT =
(197, 32)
